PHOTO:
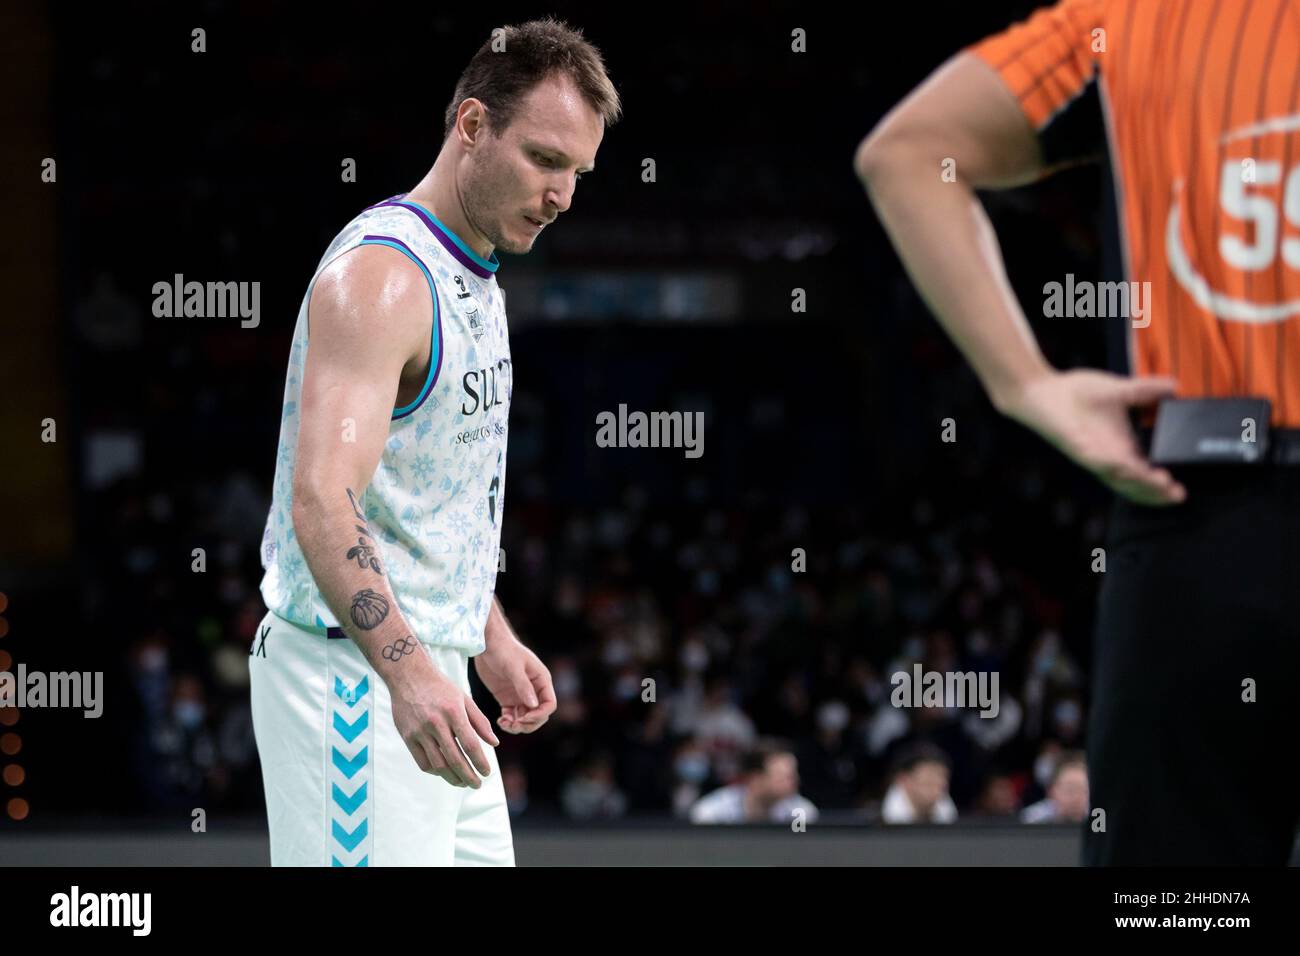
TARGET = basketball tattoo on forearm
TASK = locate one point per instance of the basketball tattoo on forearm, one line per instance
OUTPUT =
(363, 552)
(369, 608)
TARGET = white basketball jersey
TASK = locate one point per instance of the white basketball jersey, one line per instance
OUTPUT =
(434, 504)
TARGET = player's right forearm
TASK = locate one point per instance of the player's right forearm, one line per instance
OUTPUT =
(347, 564)
(948, 246)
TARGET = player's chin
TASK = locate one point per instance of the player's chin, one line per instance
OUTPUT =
(519, 246)
(520, 240)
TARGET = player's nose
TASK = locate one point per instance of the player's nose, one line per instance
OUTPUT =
(558, 199)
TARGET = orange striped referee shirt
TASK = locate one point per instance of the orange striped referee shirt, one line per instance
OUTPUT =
(1201, 107)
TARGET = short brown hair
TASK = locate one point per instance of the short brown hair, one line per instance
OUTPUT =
(533, 52)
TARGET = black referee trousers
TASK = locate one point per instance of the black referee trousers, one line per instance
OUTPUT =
(1199, 603)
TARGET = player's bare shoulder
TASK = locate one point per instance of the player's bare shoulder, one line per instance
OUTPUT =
(371, 299)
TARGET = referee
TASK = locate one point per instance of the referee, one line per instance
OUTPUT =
(1194, 110)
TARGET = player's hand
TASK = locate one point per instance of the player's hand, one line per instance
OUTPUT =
(1085, 414)
(437, 721)
(519, 681)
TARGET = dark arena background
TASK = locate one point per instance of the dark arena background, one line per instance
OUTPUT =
(827, 538)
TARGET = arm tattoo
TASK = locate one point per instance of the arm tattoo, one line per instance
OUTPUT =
(363, 552)
(369, 608)
(398, 649)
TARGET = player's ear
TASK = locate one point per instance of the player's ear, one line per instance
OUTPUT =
(471, 121)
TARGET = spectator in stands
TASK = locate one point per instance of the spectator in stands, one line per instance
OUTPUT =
(1067, 793)
(691, 770)
(591, 793)
(919, 792)
(515, 780)
(998, 797)
(767, 793)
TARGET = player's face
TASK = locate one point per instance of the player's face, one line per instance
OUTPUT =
(523, 179)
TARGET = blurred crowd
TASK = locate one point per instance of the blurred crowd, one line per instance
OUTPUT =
(712, 661)
(696, 655)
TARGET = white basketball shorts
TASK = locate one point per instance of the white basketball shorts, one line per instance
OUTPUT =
(341, 787)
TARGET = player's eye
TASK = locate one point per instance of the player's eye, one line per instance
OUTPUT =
(543, 160)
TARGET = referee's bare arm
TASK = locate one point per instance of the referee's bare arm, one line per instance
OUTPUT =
(369, 316)
(965, 114)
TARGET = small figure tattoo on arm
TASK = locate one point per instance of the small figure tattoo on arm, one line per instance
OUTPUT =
(363, 552)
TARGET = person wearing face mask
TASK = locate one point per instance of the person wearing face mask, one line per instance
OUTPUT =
(189, 711)
(692, 769)
(768, 792)
(1049, 755)
(189, 714)
(182, 749)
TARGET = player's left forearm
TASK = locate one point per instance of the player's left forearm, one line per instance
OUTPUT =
(498, 629)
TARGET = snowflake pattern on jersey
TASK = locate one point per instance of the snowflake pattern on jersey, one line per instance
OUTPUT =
(422, 467)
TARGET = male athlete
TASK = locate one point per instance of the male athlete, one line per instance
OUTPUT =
(1198, 629)
(381, 547)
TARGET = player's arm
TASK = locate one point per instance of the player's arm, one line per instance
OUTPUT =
(368, 315)
(516, 677)
(964, 119)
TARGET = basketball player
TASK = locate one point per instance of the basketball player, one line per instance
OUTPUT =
(1194, 107)
(381, 547)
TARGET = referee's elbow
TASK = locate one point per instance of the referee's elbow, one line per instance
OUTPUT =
(876, 153)
(863, 157)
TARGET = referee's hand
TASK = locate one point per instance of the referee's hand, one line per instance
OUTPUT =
(1085, 413)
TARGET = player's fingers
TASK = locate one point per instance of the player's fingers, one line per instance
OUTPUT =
(508, 724)
(524, 689)
(528, 724)
(446, 738)
(450, 772)
(545, 693)
(442, 763)
(507, 721)
(430, 760)
(470, 745)
(421, 759)
(527, 720)
(482, 726)
(531, 715)
(443, 772)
